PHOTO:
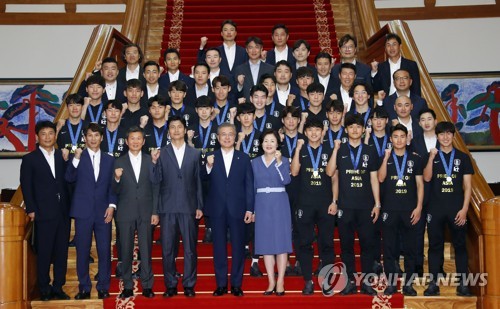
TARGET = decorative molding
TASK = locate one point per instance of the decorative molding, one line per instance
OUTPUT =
(322, 25)
(174, 38)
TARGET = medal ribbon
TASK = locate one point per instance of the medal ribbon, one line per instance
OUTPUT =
(355, 162)
(246, 148)
(447, 166)
(91, 114)
(292, 147)
(330, 135)
(205, 140)
(262, 124)
(74, 136)
(181, 112)
(111, 141)
(400, 170)
(367, 114)
(380, 150)
(271, 111)
(303, 105)
(222, 118)
(315, 161)
(159, 137)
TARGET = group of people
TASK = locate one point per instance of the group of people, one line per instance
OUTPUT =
(267, 149)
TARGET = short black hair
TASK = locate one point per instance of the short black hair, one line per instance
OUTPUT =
(134, 129)
(297, 44)
(304, 71)
(176, 118)
(203, 101)
(42, 124)
(151, 62)
(109, 60)
(336, 105)
(315, 87)
(313, 123)
(96, 80)
(213, 49)
(202, 64)
(265, 76)
(134, 83)
(245, 108)
(368, 88)
(256, 40)
(258, 87)
(379, 112)
(401, 70)
(390, 36)
(346, 38)
(280, 26)
(157, 98)
(445, 127)
(283, 62)
(74, 98)
(222, 79)
(124, 51)
(94, 127)
(113, 103)
(347, 65)
(323, 54)
(228, 22)
(427, 110)
(171, 51)
(399, 127)
(295, 111)
(351, 119)
(178, 85)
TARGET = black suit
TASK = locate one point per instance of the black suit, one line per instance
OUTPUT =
(119, 96)
(271, 57)
(122, 75)
(240, 57)
(244, 69)
(382, 80)
(363, 73)
(47, 197)
(418, 102)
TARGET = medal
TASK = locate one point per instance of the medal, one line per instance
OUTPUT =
(91, 114)
(246, 148)
(315, 161)
(380, 150)
(400, 169)
(205, 140)
(448, 167)
(73, 148)
(159, 137)
(355, 162)
(262, 124)
(330, 135)
(111, 140)
(291, 147)
(74, 136)
(221, 117)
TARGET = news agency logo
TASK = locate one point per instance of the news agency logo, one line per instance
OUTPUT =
(332, 278)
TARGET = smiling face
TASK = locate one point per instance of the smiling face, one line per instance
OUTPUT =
(259, 100)
(290, 122)
(132, 55)
(270, 85)
(316, 98)
(347, 77)
(402, 80)
(246, 119)
(301, 53)
(323, 66)
(403, 107)
(75, 110)
(213, 59)
(360, 95)
(172, 62)
(393, 48)
(221, 92)
(254, 51)
(176, 130)
(270, 144)
(176, 96)
(151, 74)
(133, 95)
(354, 131)
(226, 137)
(109, 71)
(135, 141)
(348, 51)
(379, 123)
(204, 113)
(314, 134)
(95, 91)
(112, 114)
(334, 117)
(445, 139)
(46, 138)
(93, 140)
(427, 122)
(283, 74)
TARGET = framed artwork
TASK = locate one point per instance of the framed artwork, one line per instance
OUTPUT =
(473, 102)
(22, 104)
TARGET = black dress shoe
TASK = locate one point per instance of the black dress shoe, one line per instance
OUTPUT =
(390, 289)
(208, 236)
(367, 290)
(45, 296)
(219, 291)
(82, 295)
(255, 271)
(463, 290)
(349, 289)
(308, 288)
(236, 291)
(71, 243)
(102, 294)
(189, 292)
(408, 290)
(432, 289)
(148, 293)
(126, 293)
(171, 292)
(60, 295)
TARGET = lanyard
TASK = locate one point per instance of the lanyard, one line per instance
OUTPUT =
(303, 105)
(355, 162)
(222, 117)
(181, 112)
(159, 137)
(291, 147)
(400, 169)
(330, 135)
(74, 136)
(315, 161)
(111, 141)
(246, 148)
(262, 124)
(447, 166)
(367, 114)
(91, 114)
(271, 111)
(380, 150)
(205, 140)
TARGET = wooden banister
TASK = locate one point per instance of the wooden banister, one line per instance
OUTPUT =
(374, 41)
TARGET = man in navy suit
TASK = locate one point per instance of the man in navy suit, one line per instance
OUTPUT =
(348, 46)
(176, 168)
(92, 207)
(281, 51)
(232, 55)
(172, 59)
(403, 82)
(230, 204)
(132, 56)
(248, 74)
(46, 199)
(382, 73)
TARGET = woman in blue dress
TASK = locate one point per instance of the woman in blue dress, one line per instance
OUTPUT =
(273, 231)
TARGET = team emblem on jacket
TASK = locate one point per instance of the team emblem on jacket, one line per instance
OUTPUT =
(456, 168)
(385, 216)
(269, 125)
(344, 140)
(276, 114)
(300, 213)
(340, 213)
(324, 158)
(429, 218)
(365, 160)
(410, 166)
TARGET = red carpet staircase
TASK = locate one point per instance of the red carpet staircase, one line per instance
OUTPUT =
(252, 286)
(188, 20)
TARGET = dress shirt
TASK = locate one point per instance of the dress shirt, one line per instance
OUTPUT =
(346, 98)
(324, 81)
(214, 74)
(132, 74)
(230, 54)
(49, 156)
(283, 94)
(227, 157)
(179, 153)
(409, 127)
(281, 55)
(111, 90)
(152, 92)
(202, 91)
(136, 163)
(430, 142)
(254, 68)
(394, 67)
(173, 77)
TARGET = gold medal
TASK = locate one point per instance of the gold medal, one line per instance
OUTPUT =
(399, 183)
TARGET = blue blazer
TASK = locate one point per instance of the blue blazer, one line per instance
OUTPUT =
(91, 198)
(119, 96)
(41, 191)
(164, 81)
(232, 194)
(418, 102)
(382, 80)
(271, 57)
(240, 57)
(245, 70)
(363, 73)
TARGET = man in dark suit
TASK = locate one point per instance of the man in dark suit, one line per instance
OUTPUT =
(230, 204)
(248, 74)
(232, 55)
(172, 59)
(92, 207)
(46, 199)
(176, 168)
(281, 51)
(403, 82)
(135, 211)
(348, 47)
(132, 56)
(382, 73)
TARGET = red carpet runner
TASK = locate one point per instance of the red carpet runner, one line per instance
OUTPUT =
(188, 20)
(253, 287)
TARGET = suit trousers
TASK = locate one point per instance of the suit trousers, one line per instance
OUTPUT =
(186, 224)
(126, 239)
(83, 242)
(52, 238)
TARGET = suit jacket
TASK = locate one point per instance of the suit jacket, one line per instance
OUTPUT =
(190, 99)
(180, 188)
(245, 70)
(382, 80)
(43, 194)
(136, 199)
(91, 198)
(119, 96)
(240, 57)
(332, 87)
(164, 81)
(122, 75)
(271, 57)
(234, 193)
(418, 102)
(363, 73)
(161, 91)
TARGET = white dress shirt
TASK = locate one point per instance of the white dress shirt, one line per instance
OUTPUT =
(152, 92)
(49, 156)
(430, 142)
(136, 163)
(283, 94)
(179, 153)
(111, 90)
(346, 98)
(95, 159)
(202, 91)
(254, 69)
(213, 75)
(324, 81)
(394, 67)
(227, 157)
(281, 55)
(230, 54)
(173, 77)
(132, 74)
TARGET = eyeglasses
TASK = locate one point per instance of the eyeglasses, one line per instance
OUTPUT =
(348, 47)
(400, 78)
